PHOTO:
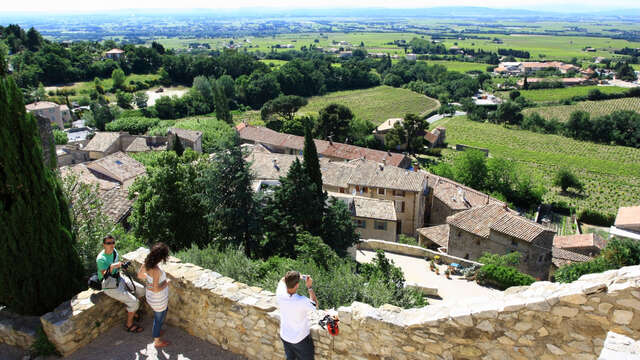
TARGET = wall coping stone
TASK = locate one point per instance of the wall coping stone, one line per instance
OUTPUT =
(18, 330)
(412, 250)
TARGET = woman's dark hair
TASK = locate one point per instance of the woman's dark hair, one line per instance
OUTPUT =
(159, 252)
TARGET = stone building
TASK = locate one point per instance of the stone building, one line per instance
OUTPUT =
(106, 143)
(292, 144)
(373, 218)
(103, 144)
(114, 54)
(496, 229)
(189, 138)
(627, 223)
(50, 110)
(586, 244)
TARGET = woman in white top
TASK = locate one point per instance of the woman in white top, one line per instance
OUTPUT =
(157, 288)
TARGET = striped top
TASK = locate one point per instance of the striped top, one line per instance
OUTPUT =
(158, 301)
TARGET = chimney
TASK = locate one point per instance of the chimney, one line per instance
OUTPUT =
(487, 199)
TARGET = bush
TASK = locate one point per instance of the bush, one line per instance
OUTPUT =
(566, 179)
(573, 272)
(136, 125)
(594, 217)
(60, 137)
(503, 277)
(42, 346)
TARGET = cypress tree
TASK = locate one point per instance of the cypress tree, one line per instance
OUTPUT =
(177, 145)
(39, 265)
(311, 162)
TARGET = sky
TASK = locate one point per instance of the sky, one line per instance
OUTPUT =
(84, 5)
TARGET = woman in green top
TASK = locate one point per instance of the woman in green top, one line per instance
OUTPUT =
(108, 261)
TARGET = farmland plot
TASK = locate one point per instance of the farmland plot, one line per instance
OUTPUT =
(595, 108)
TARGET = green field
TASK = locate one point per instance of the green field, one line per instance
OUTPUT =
(611, 174)
(274, 63)
(460, 66)
(376, 104)
(548, 95)
(595, 108)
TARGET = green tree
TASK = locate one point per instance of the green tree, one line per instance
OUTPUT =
(118, 77)
(124, 99)
(566, 179)
(60, 137)
(203, 85)
(98, 86)
(222, 105)
(509, 113)
(396, 136)
(625, 72)
(415, 127)
(227, 198)
(284, 106)
(311, 162)
(34, 222)
(338, 230)
(40, 93)
(176, 145)
(334, 120)
(470, 168)
(140, 99)
(166, 206)
(34, 40)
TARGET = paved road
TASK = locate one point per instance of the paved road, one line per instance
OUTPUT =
(116, 344)
(416, 270)
(437, 117)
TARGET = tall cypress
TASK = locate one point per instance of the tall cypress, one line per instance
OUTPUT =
(39, 265)
(311, 162)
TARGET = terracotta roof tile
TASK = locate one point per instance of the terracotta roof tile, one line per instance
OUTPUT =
(138, 145)
(482, 220)
(579, 240)
(628, 216)
(562, 257)
(116, 204)
(439, 234)
(190, 135)
(457, 196)
(118, 166)
(101, 141)
(368, 207)
(373, 174)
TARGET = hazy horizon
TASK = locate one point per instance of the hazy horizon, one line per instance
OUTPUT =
(78, 6)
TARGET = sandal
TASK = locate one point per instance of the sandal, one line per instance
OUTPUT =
(134, 328)
(138, 316)
(162, 344)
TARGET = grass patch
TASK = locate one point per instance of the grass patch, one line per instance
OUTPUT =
(547, 95)
(460, 66)
(375, 104)
(595, 108)
(611, 174)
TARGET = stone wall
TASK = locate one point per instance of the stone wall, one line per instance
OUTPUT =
(544, 321)
(17, 330)
(75, 323)
(412, 250)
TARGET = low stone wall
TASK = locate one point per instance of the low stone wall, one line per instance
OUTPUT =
(17, 330)
(412, 250)
(75, 323)
(545, 320)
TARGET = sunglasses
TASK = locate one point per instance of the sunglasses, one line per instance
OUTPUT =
(110, 243)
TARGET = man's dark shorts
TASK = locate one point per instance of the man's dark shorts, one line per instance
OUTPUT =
(300, 351)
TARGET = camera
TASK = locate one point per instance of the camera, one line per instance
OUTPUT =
(304, 277)
(125, 265)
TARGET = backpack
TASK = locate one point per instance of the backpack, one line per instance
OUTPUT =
(95, 283)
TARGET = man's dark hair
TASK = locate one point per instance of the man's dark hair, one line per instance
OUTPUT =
(292, 278)
(107, 237)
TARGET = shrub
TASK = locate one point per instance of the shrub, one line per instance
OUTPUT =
(135, 125)
(503, 277)
(566, 179)
(60, 137)
(594, 217)
(42, 346)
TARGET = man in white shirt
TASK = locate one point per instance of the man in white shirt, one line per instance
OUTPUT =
(294, 316)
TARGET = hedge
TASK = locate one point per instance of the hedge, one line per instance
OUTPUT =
(593, 217)
(135, 125)
(503, 277)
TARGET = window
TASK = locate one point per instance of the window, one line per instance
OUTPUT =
(540, 258)
(357, 187)
(342, 190)
(514, 242)
(398, 193)
(380, 225)
(380, 191)
(459, 233)
(399, 206)
(478, 242)
(364, 189)
(360, 223)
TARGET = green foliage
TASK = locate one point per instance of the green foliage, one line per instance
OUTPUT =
(595, 217)
(203, 85)
(140, 98)
(224, 190)
(35, 220)
(396, 136)
(338, 230)
(118, 78)
(415, 127)
(408, 240)
(222, 104)
(311, 163)
(42, 347)
(510, 259)
(284, 106)
(176, 145)
(135, 125)
(166, 206)
(60, 137)
(503, 277)
(619, 252)
(216, 134)
(334, 120)
(124, 99)
(566, 179)
(508, 113)
(470, 168)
